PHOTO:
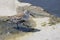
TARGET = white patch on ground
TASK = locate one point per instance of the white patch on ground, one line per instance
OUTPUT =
(7, 12)
(7, 8)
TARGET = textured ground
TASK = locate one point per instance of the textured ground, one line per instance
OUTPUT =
(40, 21)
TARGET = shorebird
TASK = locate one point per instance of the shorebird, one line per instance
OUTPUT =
(21, 18)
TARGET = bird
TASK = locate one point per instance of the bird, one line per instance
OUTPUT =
(23, 18)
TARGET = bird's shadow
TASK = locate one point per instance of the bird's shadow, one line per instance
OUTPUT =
(24, 29)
